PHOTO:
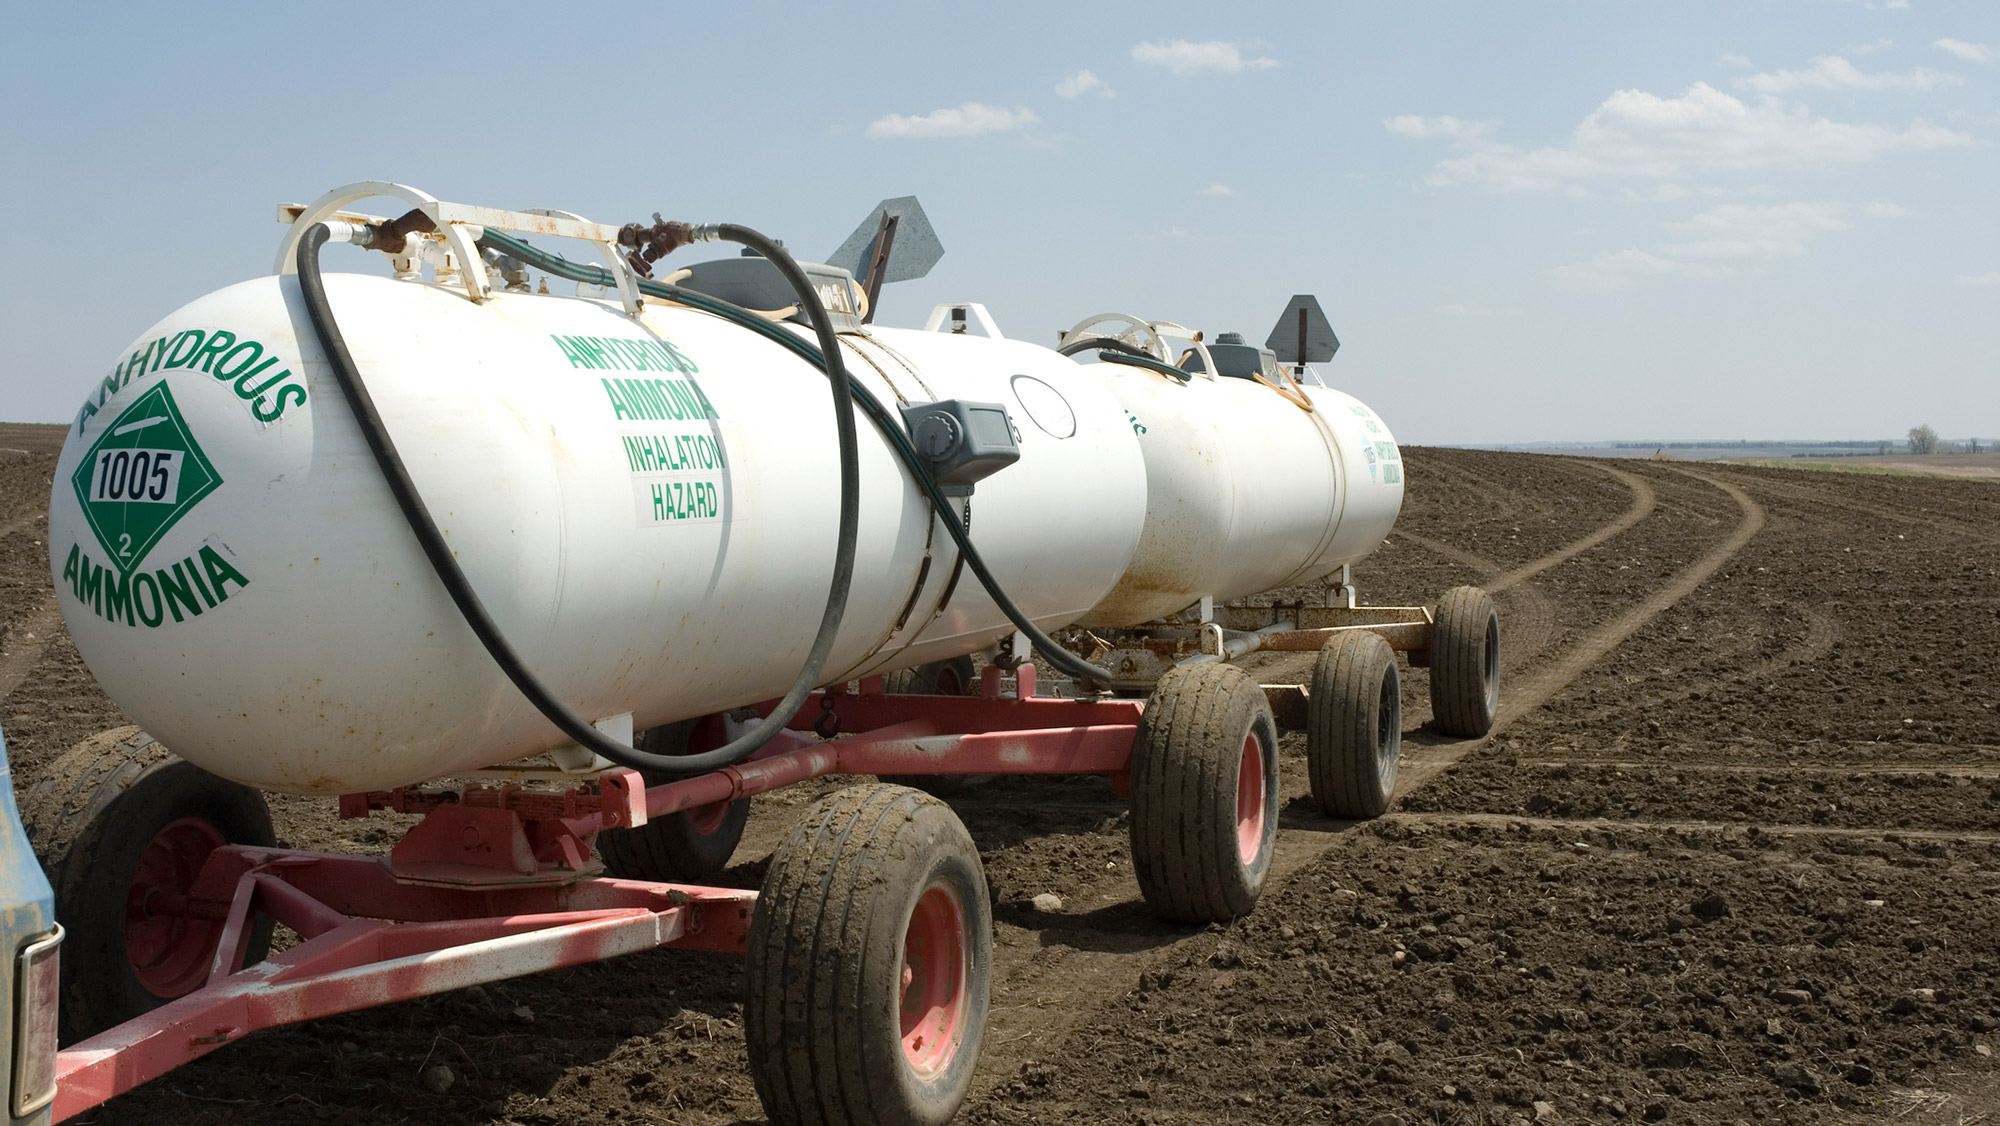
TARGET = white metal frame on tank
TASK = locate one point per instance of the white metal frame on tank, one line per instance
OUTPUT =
(459, 227)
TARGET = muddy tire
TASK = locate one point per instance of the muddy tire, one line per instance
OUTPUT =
(938, 678)
(869, 964)
(1354, 726)
(1465, 663)
(1204, 794)
(76, 787)
(692, 846)
(143, 826)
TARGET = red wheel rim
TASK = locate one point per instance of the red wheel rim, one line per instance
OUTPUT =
(934, 981)
(708, 819)
(169, 950)
(1250, 801)
(948, 683)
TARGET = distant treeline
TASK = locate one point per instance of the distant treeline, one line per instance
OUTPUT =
(1745, 443)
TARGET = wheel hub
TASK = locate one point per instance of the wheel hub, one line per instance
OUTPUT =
(1388, 729)
(1250, 801)
(170, 951)
(934, 1001)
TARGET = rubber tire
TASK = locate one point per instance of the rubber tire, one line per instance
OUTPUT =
(1185, 768)
(954, 677)
(1354, 726)
(99, 986)
(1465, 663)
(823, 971)
(76, 787)
(674, 848)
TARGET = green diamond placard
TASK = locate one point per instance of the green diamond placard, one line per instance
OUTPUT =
(141, 476)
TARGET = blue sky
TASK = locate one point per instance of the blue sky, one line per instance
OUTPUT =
(1550, 221)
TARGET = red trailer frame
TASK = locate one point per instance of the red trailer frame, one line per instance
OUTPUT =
(498, 882)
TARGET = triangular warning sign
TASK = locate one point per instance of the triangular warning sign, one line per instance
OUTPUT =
(913, 253)
(1303, 335)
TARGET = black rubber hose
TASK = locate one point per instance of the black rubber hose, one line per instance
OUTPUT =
(1085, 344)
(886, 422)
(459, 587)
(1144, 361)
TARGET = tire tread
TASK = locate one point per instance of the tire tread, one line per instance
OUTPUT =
(822, 933)
(1459, 701)
(1184, 773)
(1344, 707)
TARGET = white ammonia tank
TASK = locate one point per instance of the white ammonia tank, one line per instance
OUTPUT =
(648, 510)
(647, 505)
(1246, 491)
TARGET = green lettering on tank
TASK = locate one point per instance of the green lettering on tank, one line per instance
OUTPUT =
(619, 409)
(233, 361)
(141, 476)
(622, 353)
(220, 572)
(147, 598)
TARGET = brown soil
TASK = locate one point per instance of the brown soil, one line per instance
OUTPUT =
(1741, 813)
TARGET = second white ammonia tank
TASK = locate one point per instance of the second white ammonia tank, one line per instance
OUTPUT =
(648, 509)
(1246, 491)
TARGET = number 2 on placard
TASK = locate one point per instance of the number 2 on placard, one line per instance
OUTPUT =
(125, 545)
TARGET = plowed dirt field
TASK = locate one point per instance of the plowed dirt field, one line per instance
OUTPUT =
(1732, 855)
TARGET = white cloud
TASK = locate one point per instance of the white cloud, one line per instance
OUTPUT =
(1731, 58)
(1741, 230)
(1183, 57)
(1990, 277)
(968, 120)
(1217, 190)
(1970, 52)
(1831, 72)
(1083, 82)
(1637, 134)
(1616, 271)
(1411, 125)
(1871, 48)
(1665, 193)
(1887, 210)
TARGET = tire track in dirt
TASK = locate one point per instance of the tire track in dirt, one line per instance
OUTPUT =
(26, 637)
(1918, 517)
(1041, 995)
(1531, 628)
(1738, 828)
(1644, 500)
(1822, 631)
(1841, 769)
(1530, 615)
(1544, 684)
